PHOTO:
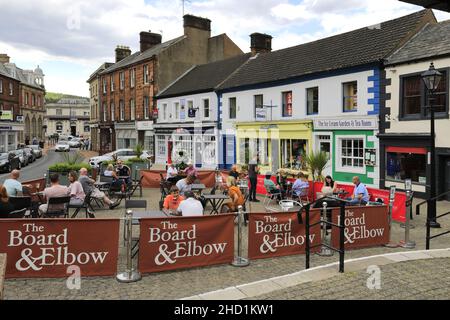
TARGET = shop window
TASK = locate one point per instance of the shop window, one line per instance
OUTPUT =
(162, 148)
(352, 153)
(414, 97)
(87, 128)
(287, 104)
(254, 149)
(402, 166)
(312, 95)
(292, 152)
(350, 96)
(232, 106)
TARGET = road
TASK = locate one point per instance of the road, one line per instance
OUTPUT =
(37, 169)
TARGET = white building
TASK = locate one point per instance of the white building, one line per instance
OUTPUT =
(188, 115)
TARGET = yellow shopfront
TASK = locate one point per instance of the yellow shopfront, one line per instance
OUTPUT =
(273, 145)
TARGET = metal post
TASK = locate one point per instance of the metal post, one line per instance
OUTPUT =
(408, 244)
(324, 251)
(130, 275)
(342, 239)
(307, 234)
(432, 201)
(239, 261)
(391, 244)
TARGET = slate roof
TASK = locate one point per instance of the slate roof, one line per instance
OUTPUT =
(432, 41)
(204, 78)
(432, 4)
(18, 75)
(4, 71)
(355, 48)
(141, 56)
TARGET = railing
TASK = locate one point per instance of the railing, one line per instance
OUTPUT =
(429, 236)
(426, 201)
(324, 223)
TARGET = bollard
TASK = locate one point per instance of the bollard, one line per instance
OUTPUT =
(324, 251)
(408, 244)
(130, 275)
(391, 244)
(239, 261)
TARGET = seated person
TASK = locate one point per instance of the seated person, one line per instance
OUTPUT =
(329, 187)
(301, 186)
(234, 173)
(236, 196)
(12, 185)
(191, 171)
(271, 187)
(172, 201)
(190, 207)
(185, 185)
(54, 191)
(124, 172)
(110, 172)
(76, 191)
(5, 207)
(117, 183)
(172, 174)
(88, 186)
(360, 194)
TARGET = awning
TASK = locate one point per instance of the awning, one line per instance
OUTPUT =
(407, 150)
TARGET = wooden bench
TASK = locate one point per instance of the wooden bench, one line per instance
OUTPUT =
(2, 273)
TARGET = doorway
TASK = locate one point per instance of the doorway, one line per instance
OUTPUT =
(73, 131)
(445, 184)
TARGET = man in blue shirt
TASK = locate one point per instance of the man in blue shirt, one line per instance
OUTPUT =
(13, 187)
(360, 194)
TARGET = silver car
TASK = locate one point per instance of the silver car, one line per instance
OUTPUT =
(37, 151)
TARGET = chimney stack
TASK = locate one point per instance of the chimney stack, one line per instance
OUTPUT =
(193, 22)
(4, 58)
(122, 52)
(261, 43)
(149, 40)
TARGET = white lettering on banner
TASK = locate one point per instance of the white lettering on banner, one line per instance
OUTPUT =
(47, 254)
(278, 235)
(185, 244)
(356, 228)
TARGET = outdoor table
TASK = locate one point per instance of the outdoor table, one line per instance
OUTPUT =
(2, 273)
(216, 201)
(147, 214)
(198, 187)
(39, 195)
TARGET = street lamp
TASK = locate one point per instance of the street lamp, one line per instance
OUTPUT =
(432, 78)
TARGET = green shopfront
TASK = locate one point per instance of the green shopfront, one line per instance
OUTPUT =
(352, 146)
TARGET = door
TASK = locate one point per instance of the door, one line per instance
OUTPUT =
(169, 152)
(447, 177)
(324, 145)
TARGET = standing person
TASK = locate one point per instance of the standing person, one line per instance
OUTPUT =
(86, 144)
(253, 171)
(88, 187)
(12, 185)
(76, 191)
(5, 207)
(54, 191)
(360, 194)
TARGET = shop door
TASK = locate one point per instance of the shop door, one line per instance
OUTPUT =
(325, 146)
(169, 152)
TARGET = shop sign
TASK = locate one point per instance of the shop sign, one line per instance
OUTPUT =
(144, 125)
(6, 115)
(261, 114)
(346, 124)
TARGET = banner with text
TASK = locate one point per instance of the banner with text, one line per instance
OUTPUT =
(179, 243)
(365, 227)
(280, 234)
(46, 248)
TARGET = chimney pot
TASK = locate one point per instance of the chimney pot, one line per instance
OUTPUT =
(191, 21)
(122, 52)
(261, 43)
(4, 58)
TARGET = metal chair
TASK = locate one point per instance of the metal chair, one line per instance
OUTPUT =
(135, 186)
(86, 205)
(20, 203)
(268, 199)
(18, 214)
(61, 210)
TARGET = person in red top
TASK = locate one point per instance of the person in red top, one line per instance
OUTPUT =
(172, 201)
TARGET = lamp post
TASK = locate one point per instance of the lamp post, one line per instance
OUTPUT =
(432, 78)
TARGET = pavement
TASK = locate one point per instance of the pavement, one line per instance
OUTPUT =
(2, 273)
(193, 282)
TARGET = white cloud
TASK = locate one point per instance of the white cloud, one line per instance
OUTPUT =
(85, 32)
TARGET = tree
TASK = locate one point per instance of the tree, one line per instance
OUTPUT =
(317, 163)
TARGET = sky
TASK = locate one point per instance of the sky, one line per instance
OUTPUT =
(70, 39)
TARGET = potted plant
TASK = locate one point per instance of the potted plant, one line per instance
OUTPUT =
(71, 163)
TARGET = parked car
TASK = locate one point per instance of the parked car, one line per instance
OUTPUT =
(122, 154)
(30, 155)
(75, 143)
(62, 146)
(22, 157)
(37, 151)
(9, 162)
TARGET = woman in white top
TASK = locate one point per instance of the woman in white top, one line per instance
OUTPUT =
(109, 172)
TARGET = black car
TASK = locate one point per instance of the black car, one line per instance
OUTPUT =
(9, 162)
